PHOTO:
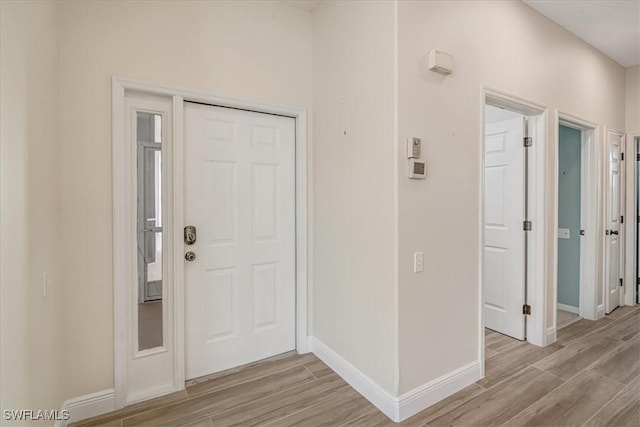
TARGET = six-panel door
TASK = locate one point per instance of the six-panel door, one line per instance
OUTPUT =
(240, 196)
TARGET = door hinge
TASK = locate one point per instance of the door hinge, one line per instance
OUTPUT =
(620, 281)
(637, 157)
(528, 141)
(621, 219)
(621, 156)
(638, 281)
(527, 225)
(526, 309)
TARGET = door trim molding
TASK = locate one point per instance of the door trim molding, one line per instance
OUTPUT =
(591, 217)
(122, 224)
(536, 329)
(631, 232)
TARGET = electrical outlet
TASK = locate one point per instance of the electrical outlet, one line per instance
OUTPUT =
(418, 262)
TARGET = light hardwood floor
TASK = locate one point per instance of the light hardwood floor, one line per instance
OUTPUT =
(589, 377)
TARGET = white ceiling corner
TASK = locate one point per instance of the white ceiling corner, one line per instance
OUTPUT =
(611, 26)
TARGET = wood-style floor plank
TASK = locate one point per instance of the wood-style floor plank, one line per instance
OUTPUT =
(570, 360)
(505, 364)
(620, 312)
(447, 405)
(571, 404)
(589, 376)
(276, 406)
(622, 364)
(624, 328)
(502, 402)
(222, 399)
(131, 410)
(199, 387)
(373, 419)
(342, 406)
(498, 342)
(580, 329)
(318, 368)
(622, 411)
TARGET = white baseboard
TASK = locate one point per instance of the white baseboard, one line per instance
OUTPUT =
(600, 311)
(420, 398)
(551, 336)
(568, 308)
(402, 407)
(87, 406)
(375, 394)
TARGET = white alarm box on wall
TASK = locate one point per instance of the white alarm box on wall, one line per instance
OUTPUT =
(440, 62)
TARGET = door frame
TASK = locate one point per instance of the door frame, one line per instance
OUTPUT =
(589, 214)
(535, 330)
(124, 220)
(631, 248)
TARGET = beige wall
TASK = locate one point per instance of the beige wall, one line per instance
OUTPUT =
(31, 327)
(252, 50)
(354, 252)
(632, 97)
(506, 46)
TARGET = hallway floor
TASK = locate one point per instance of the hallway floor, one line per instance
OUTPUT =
(565, 318)
(589, 377)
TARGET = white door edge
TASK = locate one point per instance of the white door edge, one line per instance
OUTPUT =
(123, 223)
(621, 237)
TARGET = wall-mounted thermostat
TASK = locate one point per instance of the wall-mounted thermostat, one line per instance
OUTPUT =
(417, 169)
(414, 146)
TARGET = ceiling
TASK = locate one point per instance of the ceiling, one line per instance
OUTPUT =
(611, 26)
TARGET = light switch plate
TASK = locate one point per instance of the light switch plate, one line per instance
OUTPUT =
(563, 233)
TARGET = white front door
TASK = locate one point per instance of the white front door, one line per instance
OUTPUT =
(240, 196)
(504, 244)
(613, 223)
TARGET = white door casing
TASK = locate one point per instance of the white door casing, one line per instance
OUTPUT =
(504, 243)
(614, 230)
(137, 379)
(240, 196)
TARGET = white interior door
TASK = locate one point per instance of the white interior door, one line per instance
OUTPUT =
(240, 196)
(504, 243)
(613, 272)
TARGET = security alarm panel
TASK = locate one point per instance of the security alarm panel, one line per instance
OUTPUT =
(417, 168)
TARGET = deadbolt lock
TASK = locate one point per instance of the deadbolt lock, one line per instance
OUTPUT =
(189, 235)
(190, 256)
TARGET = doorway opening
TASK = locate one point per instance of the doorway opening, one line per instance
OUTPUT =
(570, 225)
(576, 222)
(512, 216)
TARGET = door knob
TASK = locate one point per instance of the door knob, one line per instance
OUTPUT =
(614, 232)
(190, 256)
